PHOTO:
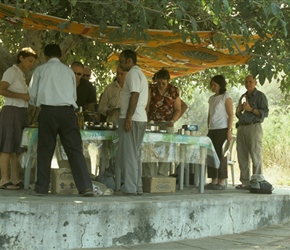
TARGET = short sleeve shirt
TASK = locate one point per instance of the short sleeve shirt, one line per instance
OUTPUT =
(161, 107)
(16, 79)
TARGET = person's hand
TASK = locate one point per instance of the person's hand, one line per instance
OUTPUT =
(110, 112)
(170, 123)
(128, 124)
(247, 107)
(25, 97)
(240, 107)
(229, 135)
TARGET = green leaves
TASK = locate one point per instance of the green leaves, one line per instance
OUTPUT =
(269, 19)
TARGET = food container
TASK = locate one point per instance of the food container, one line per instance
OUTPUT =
(181, 131)
(154, 128)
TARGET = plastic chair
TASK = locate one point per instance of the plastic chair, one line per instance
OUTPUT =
(227, 150)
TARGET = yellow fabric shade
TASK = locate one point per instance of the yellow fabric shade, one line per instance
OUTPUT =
(162, 48)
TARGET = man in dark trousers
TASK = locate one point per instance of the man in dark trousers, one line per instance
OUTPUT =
(53, 88)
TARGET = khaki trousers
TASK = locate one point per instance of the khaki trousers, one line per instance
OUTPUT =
(249, 149)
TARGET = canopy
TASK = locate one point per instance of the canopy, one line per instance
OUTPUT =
(162, 48)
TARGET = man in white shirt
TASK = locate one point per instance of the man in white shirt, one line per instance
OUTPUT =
(53, 88)
(132, 124)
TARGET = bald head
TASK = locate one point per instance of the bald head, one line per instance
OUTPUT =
(87, 73)
(250, 83)
(121, 76)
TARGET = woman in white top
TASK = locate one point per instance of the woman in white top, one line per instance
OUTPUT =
(220, 120)
(13, 117)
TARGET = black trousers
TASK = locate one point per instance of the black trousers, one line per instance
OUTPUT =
(62, 121)
(218, 136)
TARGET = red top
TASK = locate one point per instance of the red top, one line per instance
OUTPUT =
(161, 107)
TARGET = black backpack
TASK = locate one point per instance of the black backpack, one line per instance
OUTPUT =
(260, 187)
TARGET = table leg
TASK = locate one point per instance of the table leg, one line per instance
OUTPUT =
(186, 170)
(27, 172)
(181, 175)
(203, 155)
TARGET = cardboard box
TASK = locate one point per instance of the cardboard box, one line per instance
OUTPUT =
(159, 184)
(62, 181)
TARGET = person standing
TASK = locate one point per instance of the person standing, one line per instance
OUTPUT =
(13, 117)
(86, 93)
(220, 121)
(110, 102)
(164, 109)
(53, 88)
(87, 73)
(132, 124)
(251, 112)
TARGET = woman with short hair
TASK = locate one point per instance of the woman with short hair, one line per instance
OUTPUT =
(13, 117)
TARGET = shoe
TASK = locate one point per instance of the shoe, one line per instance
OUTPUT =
(209, 186)
(139, 193)
(9, 186)
(218, 187)
(241, 186)
(88, 193)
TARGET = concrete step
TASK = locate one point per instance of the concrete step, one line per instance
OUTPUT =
(73, 222)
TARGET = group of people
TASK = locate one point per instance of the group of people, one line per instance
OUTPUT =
(53, 88)
(251, 110)
(129, 102)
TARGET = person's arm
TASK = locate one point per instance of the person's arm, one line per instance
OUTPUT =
(90, 107)
(184, 107)
(7, 93)
(91, 100)
(131, 110)
(104, 103)
(148, 102)
(177, 110)
(230, 113)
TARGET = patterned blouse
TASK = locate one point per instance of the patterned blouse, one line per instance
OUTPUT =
(161, 107)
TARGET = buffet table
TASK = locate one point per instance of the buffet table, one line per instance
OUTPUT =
(157, 147)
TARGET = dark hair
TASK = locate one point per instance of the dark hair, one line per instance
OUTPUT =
(130, 54)
(26, 52)
(77, 63)
(162, 74)
(220, 80)
(52, 50)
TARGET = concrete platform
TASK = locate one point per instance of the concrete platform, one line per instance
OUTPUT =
(74, 222)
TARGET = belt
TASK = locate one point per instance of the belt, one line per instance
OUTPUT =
(248, 123)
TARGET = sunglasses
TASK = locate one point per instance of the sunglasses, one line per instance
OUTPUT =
(87, 75)
(79, 74)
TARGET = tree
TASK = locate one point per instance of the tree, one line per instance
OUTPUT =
(268, 19)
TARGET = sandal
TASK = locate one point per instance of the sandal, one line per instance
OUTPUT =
(219, 187)
(9, 186)
(209, 186)
(241, 186)
(19, 184)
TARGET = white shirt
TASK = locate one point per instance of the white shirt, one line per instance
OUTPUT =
(135, 81)
(16, 79)
(218, 117)
(54, 84)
